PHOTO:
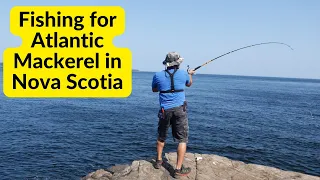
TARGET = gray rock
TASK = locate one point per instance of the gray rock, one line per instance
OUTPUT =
(204, 167)
(99, 174)
(118, 168)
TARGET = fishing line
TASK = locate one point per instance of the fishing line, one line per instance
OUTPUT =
(238, 50)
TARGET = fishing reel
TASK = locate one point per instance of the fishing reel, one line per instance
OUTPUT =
(189, 69)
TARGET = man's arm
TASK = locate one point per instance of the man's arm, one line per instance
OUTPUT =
(189, 82)
(154, 84)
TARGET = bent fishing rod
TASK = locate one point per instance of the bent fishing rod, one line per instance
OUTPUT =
(238, 50)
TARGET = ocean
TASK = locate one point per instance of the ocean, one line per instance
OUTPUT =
(267, 121)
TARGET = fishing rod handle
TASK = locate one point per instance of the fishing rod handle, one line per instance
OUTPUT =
(197, 68)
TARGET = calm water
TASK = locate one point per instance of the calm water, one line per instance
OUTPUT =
(268, 121)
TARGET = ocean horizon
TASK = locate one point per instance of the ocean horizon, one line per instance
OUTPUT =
(134, 70)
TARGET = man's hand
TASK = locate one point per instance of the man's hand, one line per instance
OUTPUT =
(191, 72)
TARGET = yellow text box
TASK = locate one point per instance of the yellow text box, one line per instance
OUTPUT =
(67, 51)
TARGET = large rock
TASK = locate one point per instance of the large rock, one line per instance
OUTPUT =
(204, 167)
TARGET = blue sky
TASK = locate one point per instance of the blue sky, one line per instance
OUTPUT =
(201, 30)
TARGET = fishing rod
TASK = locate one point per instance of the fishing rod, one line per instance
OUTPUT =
(238, 50)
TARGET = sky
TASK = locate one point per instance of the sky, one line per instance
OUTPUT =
(202, 30)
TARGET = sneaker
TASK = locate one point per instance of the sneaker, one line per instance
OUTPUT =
(158, 164)
(184, 171)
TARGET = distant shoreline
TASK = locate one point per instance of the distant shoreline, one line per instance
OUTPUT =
(233, 75)
(248, 76)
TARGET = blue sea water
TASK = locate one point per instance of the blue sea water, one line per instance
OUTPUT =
(268, 121)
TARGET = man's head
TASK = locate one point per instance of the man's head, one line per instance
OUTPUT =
(173, 59)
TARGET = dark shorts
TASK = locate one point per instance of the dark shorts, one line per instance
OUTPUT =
(178, 120)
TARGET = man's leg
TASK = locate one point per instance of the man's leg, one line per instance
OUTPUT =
(180, 133)
(160, 146)
(181, 151)
(163, 126)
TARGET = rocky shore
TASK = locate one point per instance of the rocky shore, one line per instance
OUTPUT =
(204, 167)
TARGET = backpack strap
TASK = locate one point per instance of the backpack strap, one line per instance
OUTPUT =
(172, 90)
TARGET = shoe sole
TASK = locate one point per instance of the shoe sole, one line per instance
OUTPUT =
(158, 166)
(181, 175)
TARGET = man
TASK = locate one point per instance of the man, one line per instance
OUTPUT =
(171, 84)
